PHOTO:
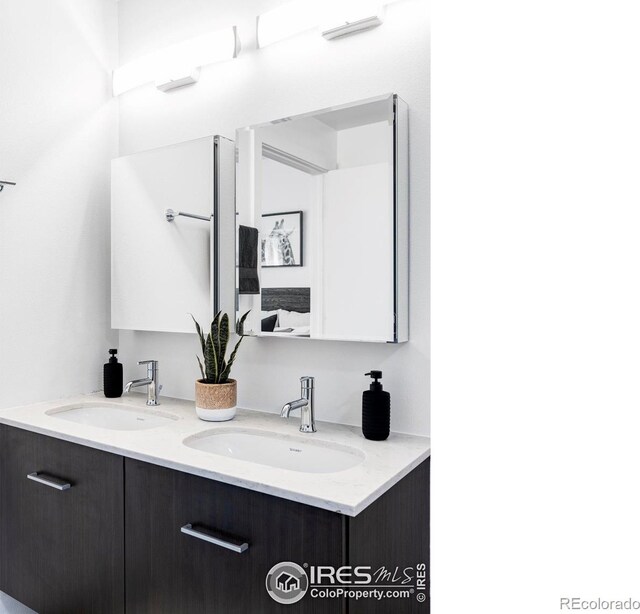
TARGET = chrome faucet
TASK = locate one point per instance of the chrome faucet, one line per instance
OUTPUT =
(151, 381)
(305, 405)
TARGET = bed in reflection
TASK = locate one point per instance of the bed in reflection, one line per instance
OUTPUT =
(286, 312)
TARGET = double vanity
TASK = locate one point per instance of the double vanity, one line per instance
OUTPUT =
(157, 511)
(110, 506)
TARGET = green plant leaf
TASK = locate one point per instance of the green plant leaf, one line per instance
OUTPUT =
(227, 368)
(225, 374)
(215, 369)
(199, 331)
(210, 362)
(201, 367)
(223, 370)
(223, 336)
(215, 336)
(240, 323)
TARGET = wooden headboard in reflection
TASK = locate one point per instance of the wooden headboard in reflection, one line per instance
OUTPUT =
(290, 299)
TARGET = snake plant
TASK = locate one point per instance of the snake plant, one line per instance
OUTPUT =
(214, 349)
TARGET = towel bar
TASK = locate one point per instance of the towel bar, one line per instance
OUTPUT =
(171, 215)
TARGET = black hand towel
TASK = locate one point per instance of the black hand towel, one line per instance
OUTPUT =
(248, 260)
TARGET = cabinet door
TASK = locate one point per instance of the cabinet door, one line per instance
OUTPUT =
(393, 533)
(61, 534)
(171, 572)
(143, 186)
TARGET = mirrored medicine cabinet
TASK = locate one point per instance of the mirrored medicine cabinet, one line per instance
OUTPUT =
(322, 224)
(172, 222)
(312, 210)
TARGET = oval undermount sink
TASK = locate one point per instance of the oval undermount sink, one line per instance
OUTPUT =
(112, 417)
(281, 451)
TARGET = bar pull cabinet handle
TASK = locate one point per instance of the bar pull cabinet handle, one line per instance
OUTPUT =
(48, 480)
(230, 543)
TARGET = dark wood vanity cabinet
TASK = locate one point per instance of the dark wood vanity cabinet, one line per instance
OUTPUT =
(170, 572)
(61, 547)
(90, 532)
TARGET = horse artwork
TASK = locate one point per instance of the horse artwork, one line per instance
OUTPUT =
(282, 242)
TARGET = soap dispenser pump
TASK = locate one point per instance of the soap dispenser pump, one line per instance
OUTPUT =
(376, 410)
(112, 376)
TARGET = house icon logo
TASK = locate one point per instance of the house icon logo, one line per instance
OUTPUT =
(287, 582)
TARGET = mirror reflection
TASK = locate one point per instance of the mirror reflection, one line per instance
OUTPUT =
(317, 215)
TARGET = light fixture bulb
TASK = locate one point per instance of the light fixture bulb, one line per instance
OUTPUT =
(179, 63)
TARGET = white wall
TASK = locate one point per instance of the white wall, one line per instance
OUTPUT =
(288, 189)
(57, 135)
(294, 76)
(357, 240)
(368, 144)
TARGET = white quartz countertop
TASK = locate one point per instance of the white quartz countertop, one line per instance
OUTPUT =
(347, 492)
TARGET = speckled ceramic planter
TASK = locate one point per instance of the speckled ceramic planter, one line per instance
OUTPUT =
(216, 402)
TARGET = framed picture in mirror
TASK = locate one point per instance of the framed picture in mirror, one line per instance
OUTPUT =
(282, 239)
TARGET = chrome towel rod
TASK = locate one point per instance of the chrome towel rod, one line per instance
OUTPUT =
(171, 215)
(4, 183)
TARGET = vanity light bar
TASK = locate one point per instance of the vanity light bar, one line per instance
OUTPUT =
(182, 77)
(178, 64)
(351, 17)
(335, 18)
(352, 27)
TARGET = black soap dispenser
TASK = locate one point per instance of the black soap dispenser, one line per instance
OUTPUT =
(112, 377)
(376, 410)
